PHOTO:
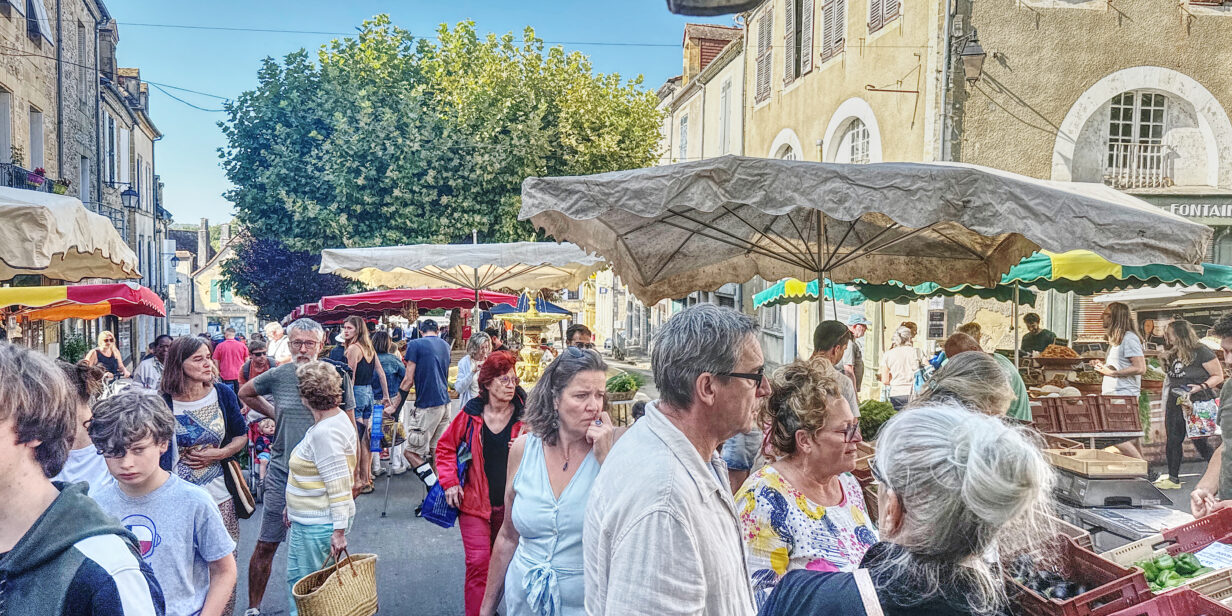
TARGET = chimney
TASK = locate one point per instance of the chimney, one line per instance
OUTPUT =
(203, 242)
(224, 237)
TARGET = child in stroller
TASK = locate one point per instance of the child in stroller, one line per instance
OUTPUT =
(261, 440)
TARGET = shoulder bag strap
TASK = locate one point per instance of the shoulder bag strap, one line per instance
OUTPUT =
(868, 593)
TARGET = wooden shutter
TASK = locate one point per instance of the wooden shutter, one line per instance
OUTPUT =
(876, 10)
(839, 42)
(214, 291)
(1088, 324)
(806, 37)
(789, 41)
(891, 10)
(764, 55)
(827, 30)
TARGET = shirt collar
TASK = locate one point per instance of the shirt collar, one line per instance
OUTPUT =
(706, 474)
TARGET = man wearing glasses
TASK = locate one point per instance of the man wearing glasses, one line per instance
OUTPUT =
(293, 420)
(580, 336)
(661, 501)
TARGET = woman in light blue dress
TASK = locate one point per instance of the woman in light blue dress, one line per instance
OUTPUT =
(536, 565)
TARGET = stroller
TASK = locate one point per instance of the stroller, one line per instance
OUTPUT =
(256, 447)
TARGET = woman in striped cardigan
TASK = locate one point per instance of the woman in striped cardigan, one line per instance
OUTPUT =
(321, 468)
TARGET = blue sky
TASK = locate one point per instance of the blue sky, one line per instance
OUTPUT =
(224, 63)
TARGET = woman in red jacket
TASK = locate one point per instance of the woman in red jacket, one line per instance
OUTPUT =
(488, 424)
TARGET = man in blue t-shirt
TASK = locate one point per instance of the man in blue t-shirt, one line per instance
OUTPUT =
(427, 368)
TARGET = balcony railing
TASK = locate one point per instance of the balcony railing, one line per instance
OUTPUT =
(114, 214)
(17, 177)
(1137, 165)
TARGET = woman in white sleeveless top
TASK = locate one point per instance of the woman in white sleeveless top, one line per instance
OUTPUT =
(537, 560)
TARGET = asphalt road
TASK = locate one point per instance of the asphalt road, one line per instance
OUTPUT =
(420, 566)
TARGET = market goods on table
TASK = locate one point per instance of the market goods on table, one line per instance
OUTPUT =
(1153, 374)
(1058, 351)
(1088, 377)
(874, 413)
(1076, 583)
(1167, 571)
(1208, 539)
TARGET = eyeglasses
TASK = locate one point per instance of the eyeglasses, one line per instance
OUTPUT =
(583, 345)
(851, 434)
(876, 472)
(506, 380)
(758, 377)
(302, 344)
(258, 354)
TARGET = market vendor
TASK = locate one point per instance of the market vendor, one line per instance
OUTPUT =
(1218, 477)
(1037, 338)
(1125, 364)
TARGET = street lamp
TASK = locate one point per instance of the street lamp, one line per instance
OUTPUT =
(972, 57)
(129, 197)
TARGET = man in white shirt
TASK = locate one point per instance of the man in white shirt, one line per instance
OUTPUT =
(662, 535)
(279, 350)
(149, 373)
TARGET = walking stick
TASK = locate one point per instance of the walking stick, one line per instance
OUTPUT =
(389, 477)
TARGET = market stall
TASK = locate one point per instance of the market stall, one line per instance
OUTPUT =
(55, 236)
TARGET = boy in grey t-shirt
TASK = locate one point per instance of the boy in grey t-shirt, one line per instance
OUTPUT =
(178, 528)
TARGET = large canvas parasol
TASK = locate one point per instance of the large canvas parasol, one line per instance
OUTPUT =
(675, 229)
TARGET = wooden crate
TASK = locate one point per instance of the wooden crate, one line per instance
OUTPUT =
(1096, 462)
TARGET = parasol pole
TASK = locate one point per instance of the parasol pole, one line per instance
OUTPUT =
(1015, 328)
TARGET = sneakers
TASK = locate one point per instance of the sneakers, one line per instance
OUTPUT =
(1166, 482)
(252, 611)
(400, 468)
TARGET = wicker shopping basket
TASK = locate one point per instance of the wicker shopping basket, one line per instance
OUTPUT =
(346, 588)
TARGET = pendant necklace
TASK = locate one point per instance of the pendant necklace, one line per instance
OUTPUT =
(566, 466)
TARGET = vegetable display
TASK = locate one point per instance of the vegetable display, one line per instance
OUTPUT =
(1153, 374)
(625, 382)
(1167, 571)
(873, 414)
(1044, 582)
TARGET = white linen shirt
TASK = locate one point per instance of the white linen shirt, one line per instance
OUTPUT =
(662, 536)
(149, 374)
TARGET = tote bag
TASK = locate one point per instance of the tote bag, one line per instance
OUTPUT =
(436, 509)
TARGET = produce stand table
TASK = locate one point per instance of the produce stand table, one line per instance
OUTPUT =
(1113, 528)
(1100, 440)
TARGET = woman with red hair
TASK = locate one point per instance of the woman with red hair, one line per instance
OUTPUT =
(487, 424)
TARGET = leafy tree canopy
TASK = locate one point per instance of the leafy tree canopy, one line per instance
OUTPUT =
(293, 272)
(389, 139)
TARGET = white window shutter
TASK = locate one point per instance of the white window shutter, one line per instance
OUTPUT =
(806, 37)
(789, 41)
(765, 53)
(840, 26)
(891, 10)
(827, 30)
(876, 14)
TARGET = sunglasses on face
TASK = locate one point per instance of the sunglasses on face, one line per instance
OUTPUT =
(584, 345)
(758, 377)
(258, 354)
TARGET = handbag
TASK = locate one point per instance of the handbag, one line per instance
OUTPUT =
(348, 588)
(241, 496)
(1200, 415)
(920, 381)
(436, 508)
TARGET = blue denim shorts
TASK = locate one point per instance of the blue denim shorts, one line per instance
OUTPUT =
(363, 402)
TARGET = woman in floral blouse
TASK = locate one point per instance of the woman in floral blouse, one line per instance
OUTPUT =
(806, 510)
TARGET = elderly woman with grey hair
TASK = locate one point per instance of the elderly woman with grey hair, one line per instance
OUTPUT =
(973, 379)
(537, 559)
(956, 486)
(467, 384)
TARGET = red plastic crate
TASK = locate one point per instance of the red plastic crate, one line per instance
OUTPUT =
(1046, 415)
(1113, 587)
(1180, 602)
(1078, 415)
(1200, 533)
(1118, 413)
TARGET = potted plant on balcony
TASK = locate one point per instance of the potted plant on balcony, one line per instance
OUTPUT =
(60, 186)
(36, 177)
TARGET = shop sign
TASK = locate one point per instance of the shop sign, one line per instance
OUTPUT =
(1201, 210)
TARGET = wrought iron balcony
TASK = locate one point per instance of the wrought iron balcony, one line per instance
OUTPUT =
(14, 176)
(1137, 165)
(114, 214)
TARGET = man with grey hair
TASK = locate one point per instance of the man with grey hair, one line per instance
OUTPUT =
(661, 503)
(305, 339)
(279, 351)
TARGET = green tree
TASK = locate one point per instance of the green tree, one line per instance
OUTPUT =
(388, 139)
(249, 275)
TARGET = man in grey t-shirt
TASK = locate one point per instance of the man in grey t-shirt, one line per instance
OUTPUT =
(293, 420)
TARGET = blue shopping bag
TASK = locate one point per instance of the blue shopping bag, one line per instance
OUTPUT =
(436, 509)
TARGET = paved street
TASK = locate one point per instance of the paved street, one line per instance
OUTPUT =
(420, 570)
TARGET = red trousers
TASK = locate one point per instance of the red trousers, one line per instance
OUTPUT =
(478, 535)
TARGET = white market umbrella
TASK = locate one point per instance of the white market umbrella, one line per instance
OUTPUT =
(675, 229)
(57, 237)
(477, 267)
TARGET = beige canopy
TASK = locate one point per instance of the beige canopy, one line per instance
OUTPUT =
(56, 236)
(671, 230)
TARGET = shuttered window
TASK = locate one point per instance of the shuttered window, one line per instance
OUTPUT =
(806, 36)
(1088, 320)
(881, 12)
(833, 28)
(790, 65)
(764, 54)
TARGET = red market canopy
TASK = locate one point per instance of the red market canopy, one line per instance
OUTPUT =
(425, 299)
(83, 301)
